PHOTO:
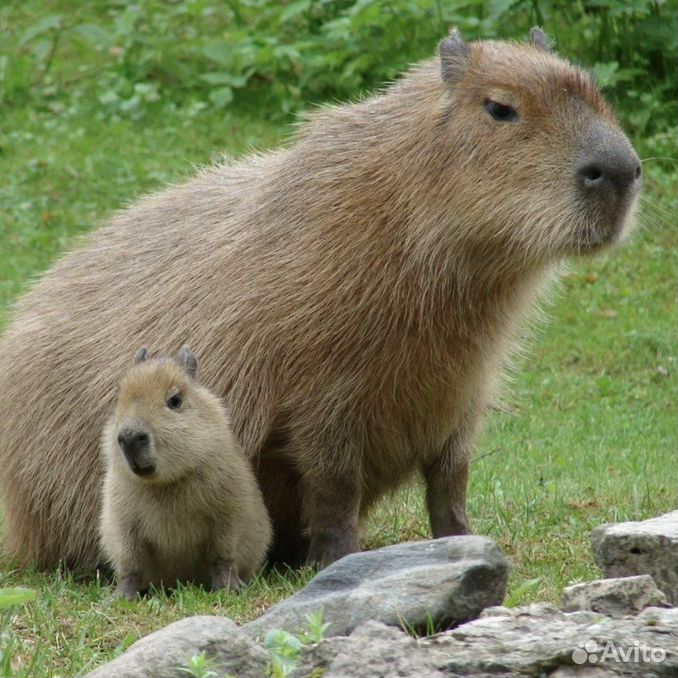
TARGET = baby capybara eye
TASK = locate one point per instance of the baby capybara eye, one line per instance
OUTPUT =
(174, 402)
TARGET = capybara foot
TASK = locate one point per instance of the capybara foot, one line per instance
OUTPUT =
(127, 589)
(225, 577)
(325, 549)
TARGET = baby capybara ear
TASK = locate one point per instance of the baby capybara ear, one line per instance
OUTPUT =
(453, 57)
(539, 39)
(140, 355)
(188, 361)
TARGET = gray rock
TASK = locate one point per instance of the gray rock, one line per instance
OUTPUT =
(536, 641)
(372, 650)
(441, 581)
(614, 597)
(162, 654)
(647, 547)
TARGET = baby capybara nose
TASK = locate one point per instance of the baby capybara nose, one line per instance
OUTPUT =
(133, 442)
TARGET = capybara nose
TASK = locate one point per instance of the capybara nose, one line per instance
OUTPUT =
(621, 174)
(135, 445)
(133, 442)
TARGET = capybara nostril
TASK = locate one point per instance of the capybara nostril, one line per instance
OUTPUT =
(591, 174)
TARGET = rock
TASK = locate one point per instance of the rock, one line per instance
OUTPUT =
(165, 653)
(614, 597)
(373, 649)
(537, 640)
(647, 547)
(439, 582)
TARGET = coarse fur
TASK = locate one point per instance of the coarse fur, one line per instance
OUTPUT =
(354, 296)
(196, 513)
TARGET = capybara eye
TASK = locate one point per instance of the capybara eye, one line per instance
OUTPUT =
(501, 112)
(174, 402)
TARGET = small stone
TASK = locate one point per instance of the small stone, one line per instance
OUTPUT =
(440, 582)
(614, 597)
(168, 652)
(646, 547)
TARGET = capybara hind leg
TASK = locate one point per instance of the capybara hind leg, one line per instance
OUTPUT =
(332, 506)
(446, 479)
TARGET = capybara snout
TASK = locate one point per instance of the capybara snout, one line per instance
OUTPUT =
(609, 177)
(135, 444)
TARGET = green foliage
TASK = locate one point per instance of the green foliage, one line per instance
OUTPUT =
(285, 652)
(315, 628)
(9, 599)
(140, 56)
(286, 649)
(521, 591)
(16, 596)
(200, 666)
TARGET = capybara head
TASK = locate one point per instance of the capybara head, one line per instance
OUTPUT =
(542, 165)
(164, 423)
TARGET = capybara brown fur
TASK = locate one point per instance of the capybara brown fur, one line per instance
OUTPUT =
(180, 500)
(354, 296)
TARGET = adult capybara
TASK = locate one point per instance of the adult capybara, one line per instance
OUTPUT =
(180, 500)
(354, 296)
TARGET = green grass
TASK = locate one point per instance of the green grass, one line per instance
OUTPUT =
(590, 435)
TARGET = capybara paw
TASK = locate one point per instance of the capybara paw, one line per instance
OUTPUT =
(455, 525)
(324, 552)
(126, 590)
(227, 579)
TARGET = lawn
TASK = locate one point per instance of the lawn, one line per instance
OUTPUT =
(588, 434)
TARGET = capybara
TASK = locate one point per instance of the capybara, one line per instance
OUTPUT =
(354, 296)
(180, 500)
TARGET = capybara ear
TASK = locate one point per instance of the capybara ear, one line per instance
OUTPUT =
(140, 355)
(539, 39)
(188, 361)
(453, 56)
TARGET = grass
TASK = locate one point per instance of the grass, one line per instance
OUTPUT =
(590, 435)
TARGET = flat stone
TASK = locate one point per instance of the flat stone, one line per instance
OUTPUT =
(440, 582)
(534, 641)
(614, 597)
(165, 653)
(645, 547)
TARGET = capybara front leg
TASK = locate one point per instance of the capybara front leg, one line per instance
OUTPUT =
(130, 585)
(446, 477)
(332, 506)
(224, 576)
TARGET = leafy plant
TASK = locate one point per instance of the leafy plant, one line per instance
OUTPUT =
(286, 649)
(148, 54)
(200, 666)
